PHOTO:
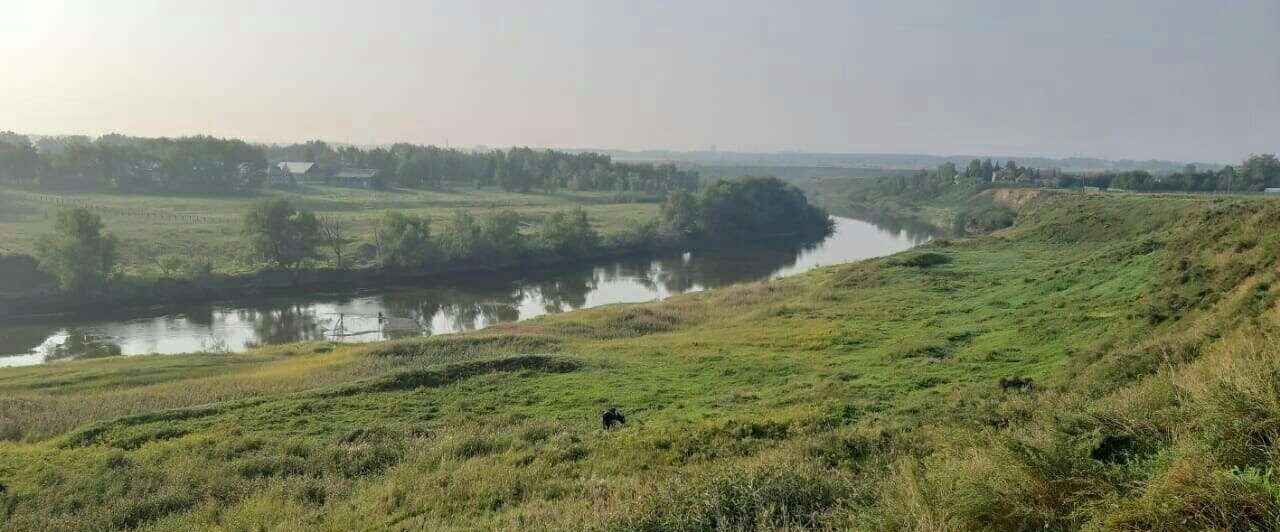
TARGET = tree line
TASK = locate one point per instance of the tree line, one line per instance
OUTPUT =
(517, 169)
(195, 165)
(208, 165)
(83, 259)
(1253, 174)
(979, 172)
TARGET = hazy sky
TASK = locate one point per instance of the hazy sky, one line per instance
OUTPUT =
(1175, 79)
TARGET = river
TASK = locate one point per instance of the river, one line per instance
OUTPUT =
(438, 306)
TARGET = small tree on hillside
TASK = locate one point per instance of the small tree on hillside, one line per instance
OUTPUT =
(281, 234)
(78, 254)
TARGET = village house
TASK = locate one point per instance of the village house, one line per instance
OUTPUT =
(355, 177)
(289, 173)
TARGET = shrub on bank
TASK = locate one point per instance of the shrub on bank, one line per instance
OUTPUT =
(984, 219)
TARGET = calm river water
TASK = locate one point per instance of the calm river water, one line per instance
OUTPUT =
(432, 307)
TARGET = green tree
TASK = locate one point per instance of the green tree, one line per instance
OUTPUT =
(78, 254)
(403, 240)
(974, 170)
(758, 207)
(500, 234)
(1227, 179)
(1133, 180)
(19, 160)
(681, 217)
(568, 234)
(281, 234)
(1259, 171)
(947, 172)
(461, 238)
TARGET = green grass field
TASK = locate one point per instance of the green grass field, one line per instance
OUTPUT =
(1109, 363)
(150, 227)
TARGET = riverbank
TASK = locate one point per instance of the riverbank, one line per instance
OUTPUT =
(161, 234)
(139, 292)
(1106, 363)
(134, 292)
(404, 247)
(437, 306)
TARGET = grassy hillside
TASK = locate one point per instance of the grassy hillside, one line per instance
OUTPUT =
(154, 226)
(1108, 363)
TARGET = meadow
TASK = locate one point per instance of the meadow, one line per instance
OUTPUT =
(1107, 363)
(155, 226)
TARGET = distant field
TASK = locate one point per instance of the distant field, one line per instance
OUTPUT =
(152, 226)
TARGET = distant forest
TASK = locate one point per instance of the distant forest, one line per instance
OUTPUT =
(887, 161)
(1253, 174)
(208, 165)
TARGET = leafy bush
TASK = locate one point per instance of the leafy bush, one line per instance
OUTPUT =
(984, 219)
(568, 234)
(404, 240)
(185, 266)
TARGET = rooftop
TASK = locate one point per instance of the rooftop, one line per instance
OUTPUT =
(294, 167)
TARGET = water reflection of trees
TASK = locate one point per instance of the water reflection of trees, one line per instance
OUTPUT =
(414, 305)
(198, 314)
(666, 273)
(81, 344)
(563, 292)
(476, 302)
(724, 266)
(638, 269)
(282, 323)
(469, 316)
(468, 306)
(677, 274)
(913, 229)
